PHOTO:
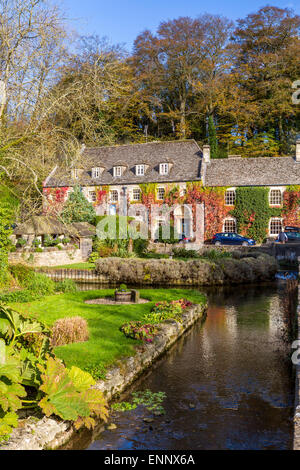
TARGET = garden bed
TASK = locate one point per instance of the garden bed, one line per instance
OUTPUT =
(51, 433)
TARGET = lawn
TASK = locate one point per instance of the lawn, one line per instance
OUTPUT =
(107, 343)
(86, 265)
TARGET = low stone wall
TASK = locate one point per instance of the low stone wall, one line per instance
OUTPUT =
(49, 257)
(48, 433)
(187, 273)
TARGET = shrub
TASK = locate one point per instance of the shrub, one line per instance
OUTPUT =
(66, 240)
(216, 254)
(21, 272)
(40, 284)
(67, 285)
(122, 288)
(183, 253)
(138, 330)
(164, 311)
(140, 246)
(154, 255)
(93, 257)
(17, 296)
(69, 330)
(21, 242)
(77, 208)
(36, 242)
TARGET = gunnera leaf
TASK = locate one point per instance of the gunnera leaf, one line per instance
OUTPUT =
(81, 380)
(62, 398)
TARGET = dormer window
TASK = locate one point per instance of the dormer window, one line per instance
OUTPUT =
(140, 170)
(75, 173)
(117, 171)
(96, 172)
(163, 168)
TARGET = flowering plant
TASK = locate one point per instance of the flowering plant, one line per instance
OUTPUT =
(138, 330)
(166, 310)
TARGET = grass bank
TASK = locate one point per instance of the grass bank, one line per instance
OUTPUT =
(107, 343)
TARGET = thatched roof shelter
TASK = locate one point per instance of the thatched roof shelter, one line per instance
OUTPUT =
(42, 225)
(84, 229)
(39, 225)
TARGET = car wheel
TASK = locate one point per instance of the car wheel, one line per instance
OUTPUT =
(218, 243)
(245, 244)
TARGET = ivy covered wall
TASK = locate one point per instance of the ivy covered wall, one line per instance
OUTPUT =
(251, 210)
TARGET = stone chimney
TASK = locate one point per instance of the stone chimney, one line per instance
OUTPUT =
(298, 150)
(206, 153)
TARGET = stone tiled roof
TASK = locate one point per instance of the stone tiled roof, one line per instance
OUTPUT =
(184, 158)
(267, 171)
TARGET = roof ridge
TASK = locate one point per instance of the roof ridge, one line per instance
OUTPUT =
(142, 143)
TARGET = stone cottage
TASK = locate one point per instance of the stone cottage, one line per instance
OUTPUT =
(207, 193)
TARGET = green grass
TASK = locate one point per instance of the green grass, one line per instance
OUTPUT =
(106, 344)
(86, 265)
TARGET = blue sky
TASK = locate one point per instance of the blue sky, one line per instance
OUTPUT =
(122, 20)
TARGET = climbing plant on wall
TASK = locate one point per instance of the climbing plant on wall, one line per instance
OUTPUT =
(253, 212)
(291, 204)
(214, 201)
(101, 193)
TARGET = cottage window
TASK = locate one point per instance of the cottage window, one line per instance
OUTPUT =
(230, 197)
(140, 170)
(230, 225)
(92, 196)
(117, 171)
(160, 194)
(275, 197)
(275, 226)
(114, 196)
(164, 168)
(96, 172)
(136, 194)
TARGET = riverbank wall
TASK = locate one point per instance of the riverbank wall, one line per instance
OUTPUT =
(49, 433)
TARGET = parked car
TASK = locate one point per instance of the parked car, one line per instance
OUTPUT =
(227, 238)
(289, 228)
(293, 237)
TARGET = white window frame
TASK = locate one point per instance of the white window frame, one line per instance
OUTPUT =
(231, 220)
(164, 168)
(96, 172)
(92, 196)
(117, 171)
(275, 219)
(232, 197)
(158, 194)
(140, 170)
(281, 196)
(134, 193)
(114, 195)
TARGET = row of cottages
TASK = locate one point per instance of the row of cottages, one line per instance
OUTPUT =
(252, 196)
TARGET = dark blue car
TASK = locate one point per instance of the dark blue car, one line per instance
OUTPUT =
(227, 238)
(292, 237)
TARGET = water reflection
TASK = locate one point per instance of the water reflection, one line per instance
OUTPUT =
(236, 372)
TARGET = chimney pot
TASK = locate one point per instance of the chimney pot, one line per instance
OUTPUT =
(206, 153)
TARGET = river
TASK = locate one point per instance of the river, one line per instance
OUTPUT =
(229, 382)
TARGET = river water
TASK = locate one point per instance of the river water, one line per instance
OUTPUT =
(229, 381)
